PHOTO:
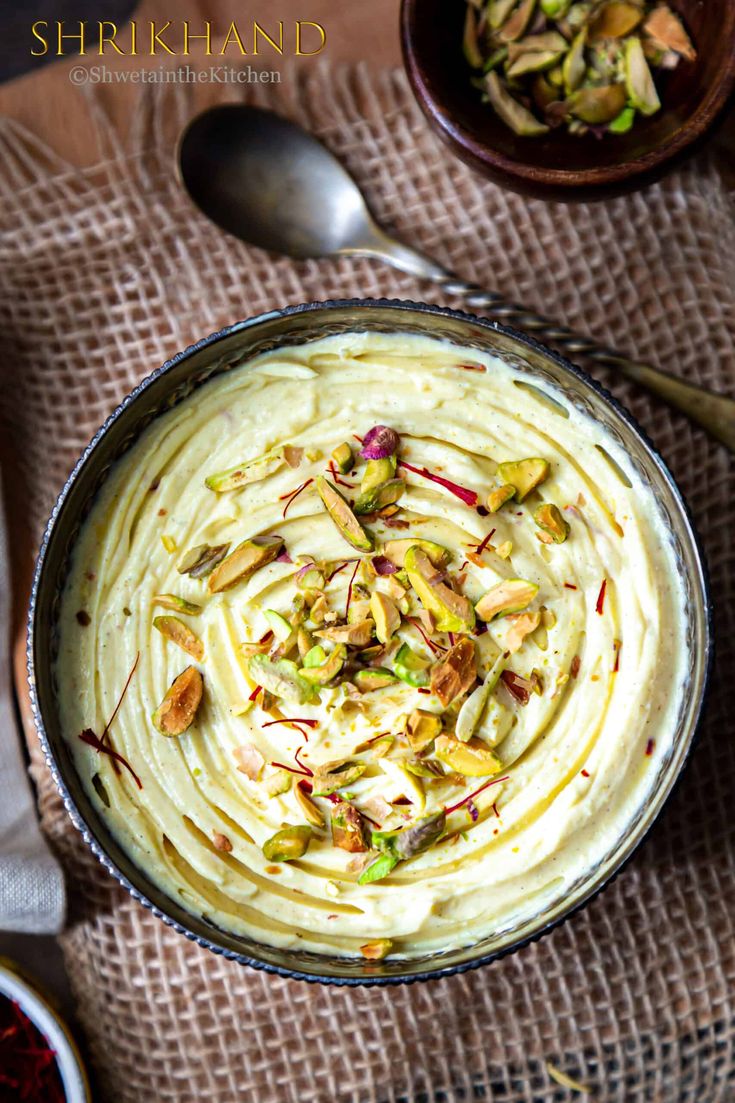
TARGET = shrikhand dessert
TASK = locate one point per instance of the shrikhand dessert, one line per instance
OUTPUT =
(370, 647)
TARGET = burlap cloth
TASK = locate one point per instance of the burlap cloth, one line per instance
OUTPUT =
(104, 274)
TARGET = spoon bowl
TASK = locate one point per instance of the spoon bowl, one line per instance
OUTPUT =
(266, 181)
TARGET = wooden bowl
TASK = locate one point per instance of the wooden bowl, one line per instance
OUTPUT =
(559, 164)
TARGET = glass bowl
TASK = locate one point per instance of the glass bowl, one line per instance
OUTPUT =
(175, 381)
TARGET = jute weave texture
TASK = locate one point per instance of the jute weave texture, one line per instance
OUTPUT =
(106, 272)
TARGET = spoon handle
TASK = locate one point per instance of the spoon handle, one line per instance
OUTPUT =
(714, 412)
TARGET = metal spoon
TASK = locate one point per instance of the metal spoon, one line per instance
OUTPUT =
(268, 182)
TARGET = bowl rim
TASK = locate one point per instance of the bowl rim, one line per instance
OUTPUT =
(368, 979)
(461, 138)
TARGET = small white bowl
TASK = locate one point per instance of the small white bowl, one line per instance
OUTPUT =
(45, 1018)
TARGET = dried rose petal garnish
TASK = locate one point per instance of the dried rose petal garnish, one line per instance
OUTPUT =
(249, 760)
(382, 565)
(379, 443)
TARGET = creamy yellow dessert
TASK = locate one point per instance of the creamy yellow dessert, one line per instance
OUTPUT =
(397, 646)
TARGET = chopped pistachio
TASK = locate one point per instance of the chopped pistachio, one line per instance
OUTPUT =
(201, 560)
(386, 494)
(326, 671)
(377, 472)
(343, 457)
(315, 656)
(414, 839)
(410, 667)
(532, 62)
(471, 759)
(356, 635)
(498, 11)
(452, 611)
(245, 473)
(642, 92)
(515, 26)
(455, 673)
(331, 776)
(349, 829)
(376, 677)
(470, 714)
(256, 647)
(421, 835)
(378, 949)
(597, 105)
(544, 94)
(616, 19)
(379, 868)
(537, 44)
(291, 842)
(510, 596)
(622, 123)
(358, 611)
(498, 497)
(395, 551)
(178, 708)
(386, 616)
(280, 677)
(555, 9)
(319, 609)
(343, 517)
(470, 44)
(179, 633)
(244, 561)
(496, 723)
(178, 604)
(503, 551)
(524, 475)
(513, 113)
(278, 624)
(311, 579)
(574, 65)
(278, 783)
(548, 617)
(577, 63)
(422, 728)
(409, 785)
(169, 543)
(305, 644)
(548, 518)
(424, 767)
(312, 811)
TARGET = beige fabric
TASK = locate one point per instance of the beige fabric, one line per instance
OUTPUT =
(103, 274)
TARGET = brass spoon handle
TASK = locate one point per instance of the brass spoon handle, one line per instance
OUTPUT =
(714, 412)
